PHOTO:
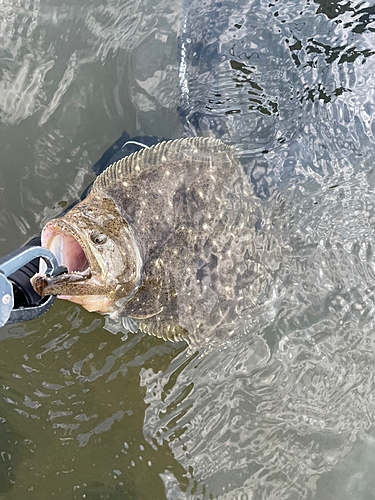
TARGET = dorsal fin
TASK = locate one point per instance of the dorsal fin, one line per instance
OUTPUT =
(145, 158)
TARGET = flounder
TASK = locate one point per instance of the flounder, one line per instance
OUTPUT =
(162, 238)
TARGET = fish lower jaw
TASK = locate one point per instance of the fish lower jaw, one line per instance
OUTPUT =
(92, 303)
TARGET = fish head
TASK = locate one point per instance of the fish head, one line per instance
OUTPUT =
(96, 245)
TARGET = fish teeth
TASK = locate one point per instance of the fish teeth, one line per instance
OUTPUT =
(85, 272)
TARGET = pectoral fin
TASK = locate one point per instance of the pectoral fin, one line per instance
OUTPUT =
(157, 311)
(146, 303)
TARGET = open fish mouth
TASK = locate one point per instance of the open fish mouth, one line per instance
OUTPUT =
(67, 250)
(75, 285)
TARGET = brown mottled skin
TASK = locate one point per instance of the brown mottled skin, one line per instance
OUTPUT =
(177, 218)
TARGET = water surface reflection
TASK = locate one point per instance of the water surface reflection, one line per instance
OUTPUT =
(74, 390)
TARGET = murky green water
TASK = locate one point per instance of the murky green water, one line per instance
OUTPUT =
(72, 397)
(285, 409)
(73, 78)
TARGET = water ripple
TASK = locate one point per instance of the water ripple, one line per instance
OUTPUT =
(283, 406)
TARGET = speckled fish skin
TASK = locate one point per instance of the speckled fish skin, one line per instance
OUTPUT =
(190, 212)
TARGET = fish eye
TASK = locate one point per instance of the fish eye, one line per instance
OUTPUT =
(98, 238)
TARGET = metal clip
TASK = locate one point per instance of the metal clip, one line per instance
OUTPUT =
(10, 264)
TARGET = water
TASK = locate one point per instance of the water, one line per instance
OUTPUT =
(284, 410)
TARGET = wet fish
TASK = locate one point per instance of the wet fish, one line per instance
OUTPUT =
(163, 237)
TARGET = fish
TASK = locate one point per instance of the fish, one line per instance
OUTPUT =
(164, 238)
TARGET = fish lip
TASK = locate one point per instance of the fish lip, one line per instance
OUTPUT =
(60, 226)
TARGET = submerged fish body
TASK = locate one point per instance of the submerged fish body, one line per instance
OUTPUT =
(163, 237)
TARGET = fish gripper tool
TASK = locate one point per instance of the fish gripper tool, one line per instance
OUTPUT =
(16, 303)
